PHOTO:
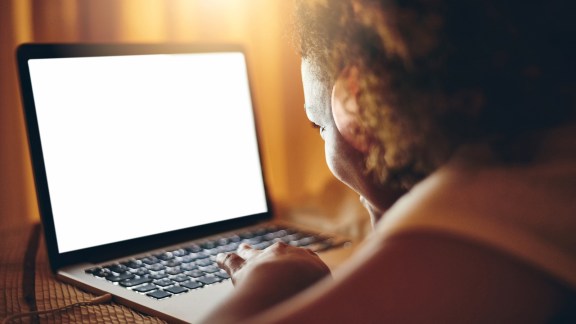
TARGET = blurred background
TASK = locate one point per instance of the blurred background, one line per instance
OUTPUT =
(300, 183)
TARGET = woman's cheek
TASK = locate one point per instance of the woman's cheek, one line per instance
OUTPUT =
(343, 160)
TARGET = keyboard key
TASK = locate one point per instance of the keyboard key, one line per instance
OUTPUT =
(195, 273)
(135, 282)
(180, 278)
(293, 237)
(263, 245)
(222, 241)
(200, 255)
(204, 262)
(159, 294)
(99, 272)
(232, 247)
(254, 240)
(172, 263)
(188, 266)
(118, 268)
(210, 269)
(193, 248)
(280, 233)
(150, 260)
(207, 245)
(307, 241)
(209, 280)
(191, 284)
(156, 267)
(174, 271)
(145, 288)
(222, 275)
(140, 272)
(157, 275)
(134, 264)
(164, 282)
(261, 231)
(187, 259)
(234, 238)
(246, 235)
(120, 277)
(176, 289)
(179, 252)
(213, 251)
(165, 256)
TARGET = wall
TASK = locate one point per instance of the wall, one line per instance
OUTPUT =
(293, 150)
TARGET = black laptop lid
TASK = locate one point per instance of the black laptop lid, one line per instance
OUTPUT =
(139, 145)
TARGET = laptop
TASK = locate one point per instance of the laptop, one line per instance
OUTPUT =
(147, 164)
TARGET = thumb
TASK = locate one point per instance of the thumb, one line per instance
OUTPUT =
(230, 262)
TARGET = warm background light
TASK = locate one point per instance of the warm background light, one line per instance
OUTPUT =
(294, 158)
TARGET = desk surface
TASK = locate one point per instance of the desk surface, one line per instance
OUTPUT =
(28, 285)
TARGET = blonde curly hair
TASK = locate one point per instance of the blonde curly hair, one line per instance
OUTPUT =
(437, 74)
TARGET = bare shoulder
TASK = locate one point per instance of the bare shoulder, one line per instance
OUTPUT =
(427, 277)
(462, 281)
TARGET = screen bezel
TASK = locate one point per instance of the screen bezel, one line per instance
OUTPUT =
(102, 253)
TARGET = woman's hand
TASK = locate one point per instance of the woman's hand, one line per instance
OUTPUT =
(265, 278)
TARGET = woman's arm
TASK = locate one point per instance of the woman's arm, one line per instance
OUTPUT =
(415, 278)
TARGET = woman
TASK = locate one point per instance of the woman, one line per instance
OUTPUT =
(465, 109)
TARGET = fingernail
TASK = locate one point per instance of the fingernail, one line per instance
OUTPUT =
(220, 257)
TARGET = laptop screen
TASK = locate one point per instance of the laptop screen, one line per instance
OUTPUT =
(137, 145)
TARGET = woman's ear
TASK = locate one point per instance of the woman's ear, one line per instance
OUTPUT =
(345, 108)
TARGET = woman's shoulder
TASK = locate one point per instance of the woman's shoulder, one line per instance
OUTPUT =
(426, 276)
(479, 238)
(455, 280)
(525, 212)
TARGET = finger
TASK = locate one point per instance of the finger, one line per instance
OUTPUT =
(230, 262)
(246, 251)
(280, 247)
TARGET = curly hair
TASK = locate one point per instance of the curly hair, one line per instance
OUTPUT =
(437, 74)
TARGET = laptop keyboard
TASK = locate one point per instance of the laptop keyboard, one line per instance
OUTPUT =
(193, 266)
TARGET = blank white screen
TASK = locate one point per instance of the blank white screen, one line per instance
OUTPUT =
(139, 145)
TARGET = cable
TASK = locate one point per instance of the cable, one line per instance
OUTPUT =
(106, 298)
